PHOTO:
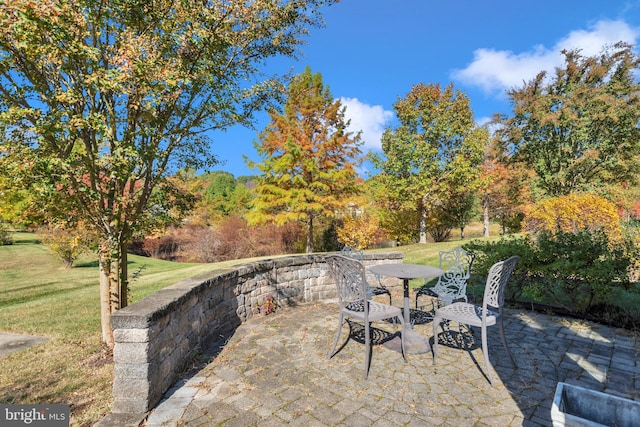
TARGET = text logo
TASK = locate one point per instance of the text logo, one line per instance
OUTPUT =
(34, 415)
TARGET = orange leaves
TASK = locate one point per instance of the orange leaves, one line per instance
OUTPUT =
(309, 164)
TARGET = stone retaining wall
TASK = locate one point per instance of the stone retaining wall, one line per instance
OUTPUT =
(156, 337)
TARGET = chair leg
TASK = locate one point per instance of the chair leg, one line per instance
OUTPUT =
(445, 324)
(436, 323)
(504, 341)
(367, 351)
(335, 341)
(402, 337)
(485, 352)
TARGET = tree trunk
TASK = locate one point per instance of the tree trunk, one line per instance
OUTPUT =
(423, 225)
(485, 215)
(112, 260)
(123, 277)
(105, 299)
(310, 235)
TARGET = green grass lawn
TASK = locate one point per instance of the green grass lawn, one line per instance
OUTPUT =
(40, 297)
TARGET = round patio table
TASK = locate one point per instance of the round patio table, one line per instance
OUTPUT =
(414, 343)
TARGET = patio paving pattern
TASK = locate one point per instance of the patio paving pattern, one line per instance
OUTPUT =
(274, 371)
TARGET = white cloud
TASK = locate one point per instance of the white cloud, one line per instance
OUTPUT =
(497, 70)
(494, 71)
(602, 33)
(481, 121)
(370, 119)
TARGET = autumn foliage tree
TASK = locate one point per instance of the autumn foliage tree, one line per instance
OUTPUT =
(101, 102)
(396, 221)
(66, 244)
(309, 159)
(506, 195)
(433, 154)
(578, 129)
(14, 203)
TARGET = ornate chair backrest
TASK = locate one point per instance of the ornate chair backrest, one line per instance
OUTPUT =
(456, 267)
(349, 252)
(358, 254)
(497, 282)
(349, 275)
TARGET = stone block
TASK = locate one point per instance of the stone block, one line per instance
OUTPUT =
(128, 387)
(131, 352)
(129, 419)
(131, 406)
(249, 286)
(131, 335)
(131, 370)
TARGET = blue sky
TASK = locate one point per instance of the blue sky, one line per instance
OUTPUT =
(371, 52)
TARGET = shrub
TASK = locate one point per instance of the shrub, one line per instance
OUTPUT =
(617, 316)
(232, 238)
(580, 269)
(326, 240)
(512, 224)
(204, 245)
(438, 224)
(358, 231)
(573, 213)
(400, 225)
(631, 232)
(572, 270)
(66, 243)
(488, 253)
(163, 247)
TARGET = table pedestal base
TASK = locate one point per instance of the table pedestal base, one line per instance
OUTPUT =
(414, 343)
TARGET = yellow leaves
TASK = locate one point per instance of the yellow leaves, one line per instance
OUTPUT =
(77, 122)
(14, 114)
(359, 230)
(573, 213)
(66, 243)
(65, 97)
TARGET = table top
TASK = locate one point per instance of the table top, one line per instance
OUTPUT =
(406, 271)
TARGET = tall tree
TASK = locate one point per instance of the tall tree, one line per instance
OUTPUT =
(578, 129)
(101, 101)
(309, 158)
(465, 181)
(224, 196)
(435, 148)
(506, 192)
(399, 223)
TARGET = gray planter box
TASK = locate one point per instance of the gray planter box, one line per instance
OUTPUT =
(575, 406)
